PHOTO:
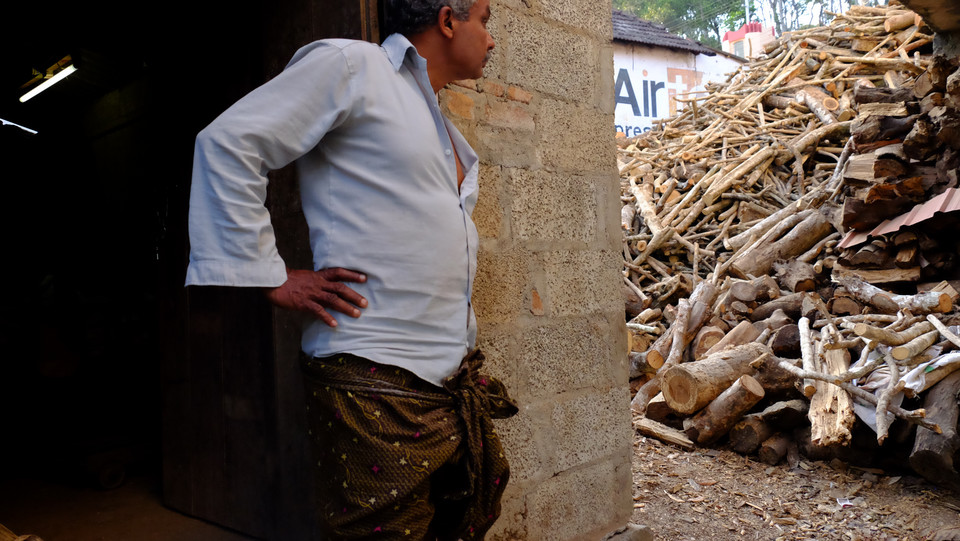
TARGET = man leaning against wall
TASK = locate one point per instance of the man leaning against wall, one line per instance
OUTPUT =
(397, 411)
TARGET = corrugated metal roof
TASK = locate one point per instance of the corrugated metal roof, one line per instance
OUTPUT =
(948, 201)
(628, 27)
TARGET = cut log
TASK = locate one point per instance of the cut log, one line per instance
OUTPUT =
(831, 408)
(789, 304)
(892, 338)
(934, 455)
(797, 241)
(745, 332)
(690, 386)
(658, 410)
(777, 320)
(920, 303)
(786, 341)
(705, 339)
(844, 306)
(820, 103)
(773, 449)
(650, 389)
(643, 363)
(879, 276)
(916, 346)
(747, 435)
(795, 275)
(715, 420)
(664, 433)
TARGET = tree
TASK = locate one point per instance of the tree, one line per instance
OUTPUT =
(700, 20)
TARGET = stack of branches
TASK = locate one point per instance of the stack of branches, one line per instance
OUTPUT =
(741, 328)
(703, 190)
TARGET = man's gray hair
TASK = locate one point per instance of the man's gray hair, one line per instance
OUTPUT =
(410, 17)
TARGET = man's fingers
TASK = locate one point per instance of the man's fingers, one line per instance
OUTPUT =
(334, 301)
(340, 274)
(323, 315)
(346, 293)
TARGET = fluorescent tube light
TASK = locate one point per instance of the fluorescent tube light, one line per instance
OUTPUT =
(49, 82)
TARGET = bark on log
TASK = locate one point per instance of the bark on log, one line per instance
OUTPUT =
(786, 341)
(921, 303)
(803, 236)
(705, 339)
(689, 387)
(664, 433)
(892, 338)
(934, 456)
(795, 275)
(747, 435)
(789, 304)
(745, 332)
(715, 420)
(650, 389)
(773, 449)
(820, 103)
(915, 347)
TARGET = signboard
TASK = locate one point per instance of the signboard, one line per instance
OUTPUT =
(648, 79)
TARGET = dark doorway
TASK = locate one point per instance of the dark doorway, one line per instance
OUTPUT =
(105, 353)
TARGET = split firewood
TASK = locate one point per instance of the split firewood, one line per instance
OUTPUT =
(934, 455)
(807, 356)
(719, 416)
(664, 433)
(690, 386)
(944, 331)
(831, 408)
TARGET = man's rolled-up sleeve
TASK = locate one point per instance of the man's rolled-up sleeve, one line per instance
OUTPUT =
(232, 241)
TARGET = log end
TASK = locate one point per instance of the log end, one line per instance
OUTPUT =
(946, 303)
(678, 391)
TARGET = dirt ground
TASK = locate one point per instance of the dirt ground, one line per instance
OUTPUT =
(719, 495)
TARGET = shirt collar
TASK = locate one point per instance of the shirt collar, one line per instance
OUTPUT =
(397, 46)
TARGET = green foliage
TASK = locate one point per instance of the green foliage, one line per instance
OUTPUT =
(700, 20)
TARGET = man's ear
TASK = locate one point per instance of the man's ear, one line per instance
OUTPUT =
(445, 21)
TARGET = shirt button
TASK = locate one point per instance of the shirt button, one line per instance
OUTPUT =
(447, 152)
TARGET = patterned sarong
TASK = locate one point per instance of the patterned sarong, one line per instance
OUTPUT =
(400, 458)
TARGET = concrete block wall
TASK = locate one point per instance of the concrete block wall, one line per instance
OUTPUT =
(547, 295)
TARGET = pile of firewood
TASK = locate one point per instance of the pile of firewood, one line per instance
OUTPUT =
(748, 221)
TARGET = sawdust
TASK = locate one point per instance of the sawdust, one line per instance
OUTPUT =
(719, 495)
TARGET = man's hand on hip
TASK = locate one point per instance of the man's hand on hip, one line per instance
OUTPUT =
(320, 291)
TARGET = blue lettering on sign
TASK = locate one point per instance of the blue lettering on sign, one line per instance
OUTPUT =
(650, 89)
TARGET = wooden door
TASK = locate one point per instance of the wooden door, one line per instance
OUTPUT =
(234, 445)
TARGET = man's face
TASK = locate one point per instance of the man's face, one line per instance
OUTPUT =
(472, 42)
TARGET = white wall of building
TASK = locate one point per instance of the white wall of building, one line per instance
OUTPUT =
(648, 78)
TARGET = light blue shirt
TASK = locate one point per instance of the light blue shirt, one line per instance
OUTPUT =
(378, 181)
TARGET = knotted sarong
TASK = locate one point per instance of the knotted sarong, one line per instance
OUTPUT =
(400, 458)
